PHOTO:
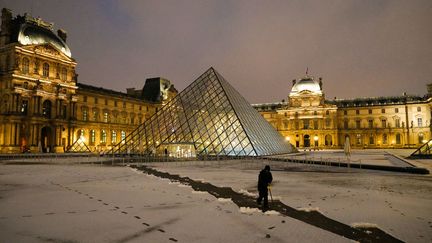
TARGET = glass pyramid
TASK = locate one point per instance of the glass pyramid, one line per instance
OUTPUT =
(79, 146)
(209, 117)
(423, 151)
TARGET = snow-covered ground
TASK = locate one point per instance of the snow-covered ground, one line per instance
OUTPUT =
(94, 203)
(400, 204)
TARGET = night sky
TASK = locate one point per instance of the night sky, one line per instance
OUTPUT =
(363, 48)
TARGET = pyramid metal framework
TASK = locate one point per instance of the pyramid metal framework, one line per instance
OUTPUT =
(423, 151)
(79, 146)
(209, 117)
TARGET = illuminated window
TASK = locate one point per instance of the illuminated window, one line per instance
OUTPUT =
(25, 65)
(357, 112)
(92, 136)
(105, 117)
(358, 139)
(419, 122)
(114, 137)
(45, 72)
(370, 122)
(84, 115)
(382, 110)
(371, 139)
(420, 138)
(46, 109)
(398, 138)
(370, 111)
(305, 124)
(385, 139)
(383, 123)
(315, 124)
(24, 107)
(95, 115)
(396, 110)
(397, 122)
(103, 136)
(123, 135)
(64, 73)
(358, 124)
(327, 122)
(346, 124)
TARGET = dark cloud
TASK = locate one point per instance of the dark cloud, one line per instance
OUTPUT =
(360, 48)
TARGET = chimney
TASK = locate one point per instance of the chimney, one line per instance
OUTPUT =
(293, 82)
(320, 82)
(6, 19)
(62, 34)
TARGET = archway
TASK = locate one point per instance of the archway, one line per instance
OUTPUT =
(46, 139)
(328, 140)
(306, 139)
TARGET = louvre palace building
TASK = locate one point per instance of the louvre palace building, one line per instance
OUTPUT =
(43, 108)
(308, 120)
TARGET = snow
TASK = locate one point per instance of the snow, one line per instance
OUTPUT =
(224, 200)
(247, 193)
(310, 209)
(60, 203)
(93, 203)
(247, 210)
(364, 225)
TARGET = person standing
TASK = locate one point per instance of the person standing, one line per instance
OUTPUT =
(264, 180)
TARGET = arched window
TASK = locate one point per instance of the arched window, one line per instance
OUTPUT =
(328, 140)
(81, 135)
(398, 138)
(123, 136)
(92, 137)
(25, 65)
(45, 70)
(64, 73)
(103, 137)
(358, 139)
(384, 138)
(421, 138)
(46, 109)
(114, 137)
(371, 139)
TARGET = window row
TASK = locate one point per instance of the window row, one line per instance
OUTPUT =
(383, 111)
(103, 136)
(111, 118)
(115, 103)
(61, 72)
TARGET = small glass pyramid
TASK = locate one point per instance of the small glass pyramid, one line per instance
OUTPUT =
(209, 117)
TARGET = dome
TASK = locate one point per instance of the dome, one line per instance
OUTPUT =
(306, 84)
(31, 34)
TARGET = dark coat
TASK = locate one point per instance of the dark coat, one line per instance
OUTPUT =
(264, 179)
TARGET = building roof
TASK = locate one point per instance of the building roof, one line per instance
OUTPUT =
(376, 101)
(306, 83)
(103, 91)
(32, 34)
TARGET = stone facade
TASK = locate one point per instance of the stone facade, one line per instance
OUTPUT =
(43, 108)
(308, 120)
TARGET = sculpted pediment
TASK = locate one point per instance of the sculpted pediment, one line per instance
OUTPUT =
(50, 50)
